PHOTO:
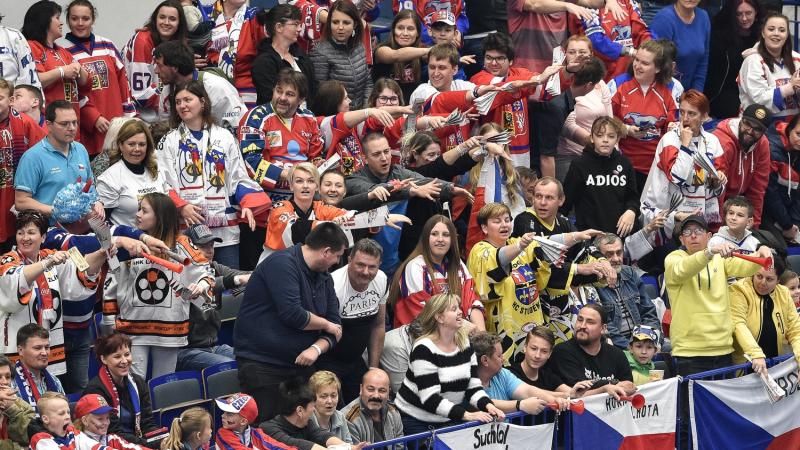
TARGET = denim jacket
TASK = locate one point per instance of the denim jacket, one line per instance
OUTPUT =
(631, 289)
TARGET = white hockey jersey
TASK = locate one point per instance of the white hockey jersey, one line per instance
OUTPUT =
(210, 173)
(16, 62)
(22, 303)
(143, 299)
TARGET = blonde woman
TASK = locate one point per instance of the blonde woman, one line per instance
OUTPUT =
(424, 399)
(326, 387)
(192, 430)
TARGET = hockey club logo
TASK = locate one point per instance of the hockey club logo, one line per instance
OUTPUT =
(152, 287)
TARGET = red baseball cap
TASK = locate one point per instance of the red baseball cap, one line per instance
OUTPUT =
(241, 404)
(91, 404)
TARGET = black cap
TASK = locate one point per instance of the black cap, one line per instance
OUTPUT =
(694, 218)
(758, 114)
(200, 234)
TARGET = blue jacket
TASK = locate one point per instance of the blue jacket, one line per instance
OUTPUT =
(782, 201)
(281, 293)
(631, 289)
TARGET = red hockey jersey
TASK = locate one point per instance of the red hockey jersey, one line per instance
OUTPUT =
(108, 85)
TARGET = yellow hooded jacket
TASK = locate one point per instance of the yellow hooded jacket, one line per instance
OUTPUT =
(698, 295)
(746, 309)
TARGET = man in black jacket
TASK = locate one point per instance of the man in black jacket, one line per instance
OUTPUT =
(289, 316)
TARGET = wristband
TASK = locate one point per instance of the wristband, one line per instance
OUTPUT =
(61, 71)
(475, 92)
(366, 113)
(316, 347)
(518, 405)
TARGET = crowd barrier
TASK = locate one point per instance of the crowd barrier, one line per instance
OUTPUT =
(563, 438)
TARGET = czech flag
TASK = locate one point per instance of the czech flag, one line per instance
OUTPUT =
(738, 414)
(610, 424)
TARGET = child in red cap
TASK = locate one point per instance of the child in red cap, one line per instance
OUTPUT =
(92, 418)
(240, 411)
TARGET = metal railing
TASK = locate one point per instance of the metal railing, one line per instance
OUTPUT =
(563, 440)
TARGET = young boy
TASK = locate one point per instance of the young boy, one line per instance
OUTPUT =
(643, 346)
(240, 411)
(527, 178)
(441, 27)
(54, 429)
(738, 221)
(28, 100)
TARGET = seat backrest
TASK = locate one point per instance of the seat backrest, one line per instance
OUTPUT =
(222, 384)
(176, 392)
(794, 263)
(230, 306)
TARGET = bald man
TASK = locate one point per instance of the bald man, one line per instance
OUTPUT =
(370, 417)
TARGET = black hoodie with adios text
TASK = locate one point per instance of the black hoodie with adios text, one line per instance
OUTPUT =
(601, 189)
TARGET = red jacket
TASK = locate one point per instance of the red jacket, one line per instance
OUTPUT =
(18, 133)
(228, 440)
(747, 171)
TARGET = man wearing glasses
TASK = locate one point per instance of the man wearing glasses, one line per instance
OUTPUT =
(52, 164)
(513, 116)
(696, 276)
(746, 156)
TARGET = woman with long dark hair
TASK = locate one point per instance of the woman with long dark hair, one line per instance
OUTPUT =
(770, 76)
(434, 267)
(734, 29)
(341, 54)
(281, 50)
(403, 57)
(150, 302)
(166, 23)
(60, 74)
(109, 91)
(202, 162)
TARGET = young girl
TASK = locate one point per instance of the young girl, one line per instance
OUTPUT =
(792, 282)
(149, 302)
(482, 181)
(601, 184)
(190, 431)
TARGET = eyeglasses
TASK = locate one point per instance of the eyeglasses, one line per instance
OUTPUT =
(495, 59)
(291, 23)
(386, 99)
(693, 231)
(754, 130)
(67, 124)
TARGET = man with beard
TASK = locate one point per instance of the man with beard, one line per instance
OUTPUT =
(628, 305)
(370, 417)
(361, 290)
(746, 158)
(587, 356)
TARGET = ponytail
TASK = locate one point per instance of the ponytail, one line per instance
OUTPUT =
(193, 420)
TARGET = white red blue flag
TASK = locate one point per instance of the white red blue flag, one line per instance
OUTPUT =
(737, 413)
(610, 424)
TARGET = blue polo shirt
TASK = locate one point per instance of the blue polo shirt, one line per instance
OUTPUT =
(503, 385)
(43, 170)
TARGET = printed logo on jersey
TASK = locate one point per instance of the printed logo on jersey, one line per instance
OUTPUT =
(649, 123)
(274, 139)
(152, 287)
(35, 306)
(98, 71)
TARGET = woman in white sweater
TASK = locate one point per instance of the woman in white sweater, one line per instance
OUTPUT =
(443, 372)
(770, 76)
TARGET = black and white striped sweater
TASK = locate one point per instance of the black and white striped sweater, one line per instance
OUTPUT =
(438, 384)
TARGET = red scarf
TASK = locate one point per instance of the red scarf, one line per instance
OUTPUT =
(44, 296)
(111, 387)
